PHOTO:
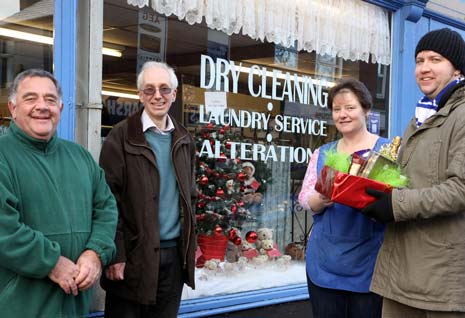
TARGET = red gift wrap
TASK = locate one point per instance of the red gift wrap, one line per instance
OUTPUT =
(250, 253)
(212, 247)
(347, 189)
(274, 252)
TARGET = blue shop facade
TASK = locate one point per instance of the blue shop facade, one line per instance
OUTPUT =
(254, 78)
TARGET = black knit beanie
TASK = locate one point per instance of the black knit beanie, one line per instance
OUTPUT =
(446, 42)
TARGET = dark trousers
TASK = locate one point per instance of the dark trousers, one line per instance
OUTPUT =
(170, 284)
(333, 303)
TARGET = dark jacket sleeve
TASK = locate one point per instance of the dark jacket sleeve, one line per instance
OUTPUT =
(193, 183)
(104, 218)
(113, 163)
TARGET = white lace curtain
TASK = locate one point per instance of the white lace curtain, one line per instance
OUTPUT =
(351, 29)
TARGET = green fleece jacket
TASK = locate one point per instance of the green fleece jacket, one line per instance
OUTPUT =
(54, 201)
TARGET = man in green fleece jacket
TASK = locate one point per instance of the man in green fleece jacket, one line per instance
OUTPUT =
(57, 215)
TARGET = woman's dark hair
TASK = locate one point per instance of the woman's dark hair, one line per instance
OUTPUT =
(355, 86)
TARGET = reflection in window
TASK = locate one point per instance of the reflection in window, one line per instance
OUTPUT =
(381, 77)
(26, 29)
(257, 110)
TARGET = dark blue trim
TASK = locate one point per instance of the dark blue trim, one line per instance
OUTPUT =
(390, 5)
(412, 13)
(394, 5)
(405, 92)
(208, 306)
(448, 21)
(64, 57)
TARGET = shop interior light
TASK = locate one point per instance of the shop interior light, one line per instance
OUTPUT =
(46, 40)
(111, 52)
(118, 94)
(26, 36)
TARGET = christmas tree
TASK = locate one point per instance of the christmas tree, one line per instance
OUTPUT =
(220, 182)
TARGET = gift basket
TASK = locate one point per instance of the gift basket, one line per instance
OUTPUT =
(344, 178)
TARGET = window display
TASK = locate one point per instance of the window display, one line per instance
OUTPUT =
(257, 111)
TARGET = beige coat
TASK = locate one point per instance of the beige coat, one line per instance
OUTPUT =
(422, 260)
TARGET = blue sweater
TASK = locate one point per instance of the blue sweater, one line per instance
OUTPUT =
(170, 225)
(343, 245)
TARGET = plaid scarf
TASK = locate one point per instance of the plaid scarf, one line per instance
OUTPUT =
(428, 107)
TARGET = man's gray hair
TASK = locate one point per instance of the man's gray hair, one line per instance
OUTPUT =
(33, 72)
(164, 66)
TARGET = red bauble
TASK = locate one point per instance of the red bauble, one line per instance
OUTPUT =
(203, 180)
(241, 188)
(241, 176)
(251, 237)
(201, 204)
(228, 144)
(222, 157)
(205, 135)
(200, 217)
(237, 240)
(218, 230)
(219, 192)
(241, 203)
(210, 125)
(222, 131)
(234, 209)
(232, 234)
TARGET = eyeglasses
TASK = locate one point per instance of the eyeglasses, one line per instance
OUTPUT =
(150, 91)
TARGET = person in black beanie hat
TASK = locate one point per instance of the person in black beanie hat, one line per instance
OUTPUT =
(449, 47)
(420, 269)
(446, 42)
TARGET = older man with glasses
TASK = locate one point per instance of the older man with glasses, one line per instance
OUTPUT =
(149, 164)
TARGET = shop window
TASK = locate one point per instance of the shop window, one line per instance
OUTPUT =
(257, 111)
(26, 38)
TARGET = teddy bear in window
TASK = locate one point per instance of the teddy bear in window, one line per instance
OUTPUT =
(265, 243)
(248, 250)
(252, 195)
(295, 250)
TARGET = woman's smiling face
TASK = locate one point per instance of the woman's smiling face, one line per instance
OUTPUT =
(348, 114)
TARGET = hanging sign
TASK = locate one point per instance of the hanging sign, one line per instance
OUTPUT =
(151, 41)
(374, 122)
